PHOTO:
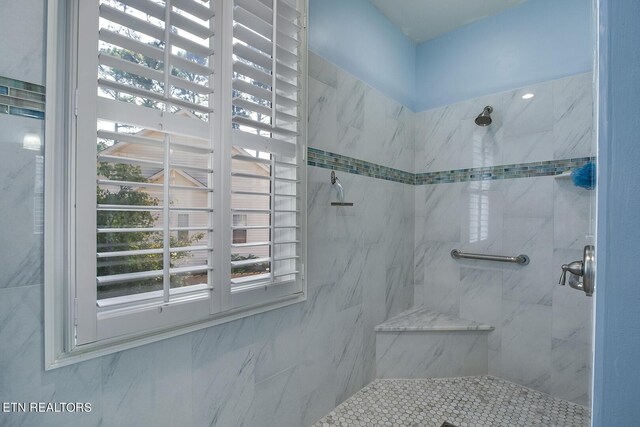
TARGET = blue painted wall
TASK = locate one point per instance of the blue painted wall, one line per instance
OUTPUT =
(537, 41)
(617, 336)
(358, 38)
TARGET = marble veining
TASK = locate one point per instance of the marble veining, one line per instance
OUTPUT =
(482, 401)
(286, 367)
(291, 367)
(541, 336)
(557, 123)
(422, 319)
(23, 41)
(20, 261)
(431, 354)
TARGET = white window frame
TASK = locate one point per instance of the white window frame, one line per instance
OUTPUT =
(60, 302)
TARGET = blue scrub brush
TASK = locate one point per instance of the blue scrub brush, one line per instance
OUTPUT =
(585, 176)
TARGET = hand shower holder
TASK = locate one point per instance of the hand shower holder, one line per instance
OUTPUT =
(336, 181)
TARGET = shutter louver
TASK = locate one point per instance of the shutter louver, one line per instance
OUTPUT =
(266, 119)
(155, 139)
(266, 99)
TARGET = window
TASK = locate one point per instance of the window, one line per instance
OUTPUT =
(186, 142)
(183, 228)
(239, 236)
(239, 229)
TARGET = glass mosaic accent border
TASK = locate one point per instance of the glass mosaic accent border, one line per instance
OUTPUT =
(340, 163)
(521, 170)
(21, 98)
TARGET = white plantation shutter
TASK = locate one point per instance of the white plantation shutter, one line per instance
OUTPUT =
(267, 150)
(148, 139)
(188, 113)
(266, 75)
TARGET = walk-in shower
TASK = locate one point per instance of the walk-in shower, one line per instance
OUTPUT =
(366, 232)
(489, 337)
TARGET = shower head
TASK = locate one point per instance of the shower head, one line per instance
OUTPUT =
(484, 119)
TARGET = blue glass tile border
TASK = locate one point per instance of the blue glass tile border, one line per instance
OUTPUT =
(520, 170)
(340, 163)
(21, 98)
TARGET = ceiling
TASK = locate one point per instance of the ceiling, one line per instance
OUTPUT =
(423, 20)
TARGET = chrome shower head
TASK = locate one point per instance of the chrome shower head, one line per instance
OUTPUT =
(484, 119)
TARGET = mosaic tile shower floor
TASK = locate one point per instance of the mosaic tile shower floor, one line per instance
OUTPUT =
(464, 402)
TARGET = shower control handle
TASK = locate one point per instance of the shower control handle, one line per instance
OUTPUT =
(563, 277)
(584, 269)
(574, 268)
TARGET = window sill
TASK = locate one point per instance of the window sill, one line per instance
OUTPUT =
(106, 305)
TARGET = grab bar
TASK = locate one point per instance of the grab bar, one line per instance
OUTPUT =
(520, 259)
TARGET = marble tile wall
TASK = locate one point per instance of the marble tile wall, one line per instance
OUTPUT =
(439, 354)
(369, 125)
(22, 47)
(297, 363)
(292, 365)
(542, 336)
(361, 256)
(555, 124)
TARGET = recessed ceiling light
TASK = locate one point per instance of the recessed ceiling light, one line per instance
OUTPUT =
(528, 96)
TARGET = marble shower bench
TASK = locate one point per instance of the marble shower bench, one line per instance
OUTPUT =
(421, 343)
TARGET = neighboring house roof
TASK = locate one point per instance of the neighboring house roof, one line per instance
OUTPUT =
(160, 175)
(155, 173)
